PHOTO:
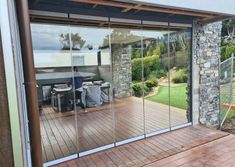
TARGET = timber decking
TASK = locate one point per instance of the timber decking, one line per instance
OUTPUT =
(153, 151)
(67, 133)
(219, 153)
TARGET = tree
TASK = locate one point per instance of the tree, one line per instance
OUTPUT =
(228, 32)
(76, 41)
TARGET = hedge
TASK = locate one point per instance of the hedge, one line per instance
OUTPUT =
(151, 63)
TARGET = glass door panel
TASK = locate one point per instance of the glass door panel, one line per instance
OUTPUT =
(93, 86)
(54, 75)
(156, 63)
(180, 73)
(128, 87)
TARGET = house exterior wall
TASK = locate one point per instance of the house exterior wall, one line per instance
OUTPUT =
(206, 60)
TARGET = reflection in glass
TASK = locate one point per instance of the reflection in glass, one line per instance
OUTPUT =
(93, 87)
(180, 51)
(127, 83)
(156, 80)
(98, 86)
(54, 76)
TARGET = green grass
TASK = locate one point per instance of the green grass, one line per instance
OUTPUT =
(177, 96)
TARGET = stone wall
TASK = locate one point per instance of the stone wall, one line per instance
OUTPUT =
(206, 55)
(122, 76)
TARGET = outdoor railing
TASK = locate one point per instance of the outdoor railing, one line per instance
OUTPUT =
(226, 88)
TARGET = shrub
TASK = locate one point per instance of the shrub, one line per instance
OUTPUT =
(151, 63)
(180, 76)
(137, 69)
(151, 83)
(227, 51)
(157, 74)
(138, 88)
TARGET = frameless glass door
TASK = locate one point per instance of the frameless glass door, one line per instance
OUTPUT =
(180, 75)
(156, 80)
(105, 86)
(54, 76)
(126, 51)
(91, 60)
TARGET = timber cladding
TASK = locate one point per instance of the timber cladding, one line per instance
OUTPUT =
(6, 153)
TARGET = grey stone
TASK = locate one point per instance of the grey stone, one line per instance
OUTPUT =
(206, 51)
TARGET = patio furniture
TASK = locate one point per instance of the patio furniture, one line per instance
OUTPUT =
(62, 98)
(92, 95)
(105, 92)
(57, 78)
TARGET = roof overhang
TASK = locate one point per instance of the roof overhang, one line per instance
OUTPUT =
(151, 10)
(204, 6)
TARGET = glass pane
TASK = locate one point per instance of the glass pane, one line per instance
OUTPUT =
(127, 83)
(180, 73)
(93, 86)
(156, 104)
(54, 75)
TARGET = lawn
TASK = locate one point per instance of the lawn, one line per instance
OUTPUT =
(177, 96)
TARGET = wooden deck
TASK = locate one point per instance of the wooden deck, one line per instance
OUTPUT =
(67, 133)
(183, 147)
(219, 153)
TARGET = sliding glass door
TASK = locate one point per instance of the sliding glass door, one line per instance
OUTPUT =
(180, 75)
(127, 62)
(54, 76)
(104, 86)
(90, 51)
(156, 81)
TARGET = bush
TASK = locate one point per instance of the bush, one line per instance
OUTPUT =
(227, 51)
(157, 74)
(151, 63)
(138, 88)
(137, 69)
(151, 83)
(180, 76)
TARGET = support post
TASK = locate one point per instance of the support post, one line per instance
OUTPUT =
(30, 82)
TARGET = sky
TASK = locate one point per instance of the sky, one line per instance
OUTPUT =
(46, 36)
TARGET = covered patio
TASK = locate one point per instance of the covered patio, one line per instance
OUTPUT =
(101, 82)
(196, 145)
(66, 133)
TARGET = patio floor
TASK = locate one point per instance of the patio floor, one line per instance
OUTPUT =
(195, 145)
(64, 134)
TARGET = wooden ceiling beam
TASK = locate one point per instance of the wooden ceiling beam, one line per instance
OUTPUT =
(129, 6)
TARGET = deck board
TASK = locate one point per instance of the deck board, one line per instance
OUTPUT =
(160, 151)
(217, 153)
(66, 133)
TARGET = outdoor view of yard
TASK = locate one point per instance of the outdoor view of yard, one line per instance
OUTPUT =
(177, 99)
(165, 74)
